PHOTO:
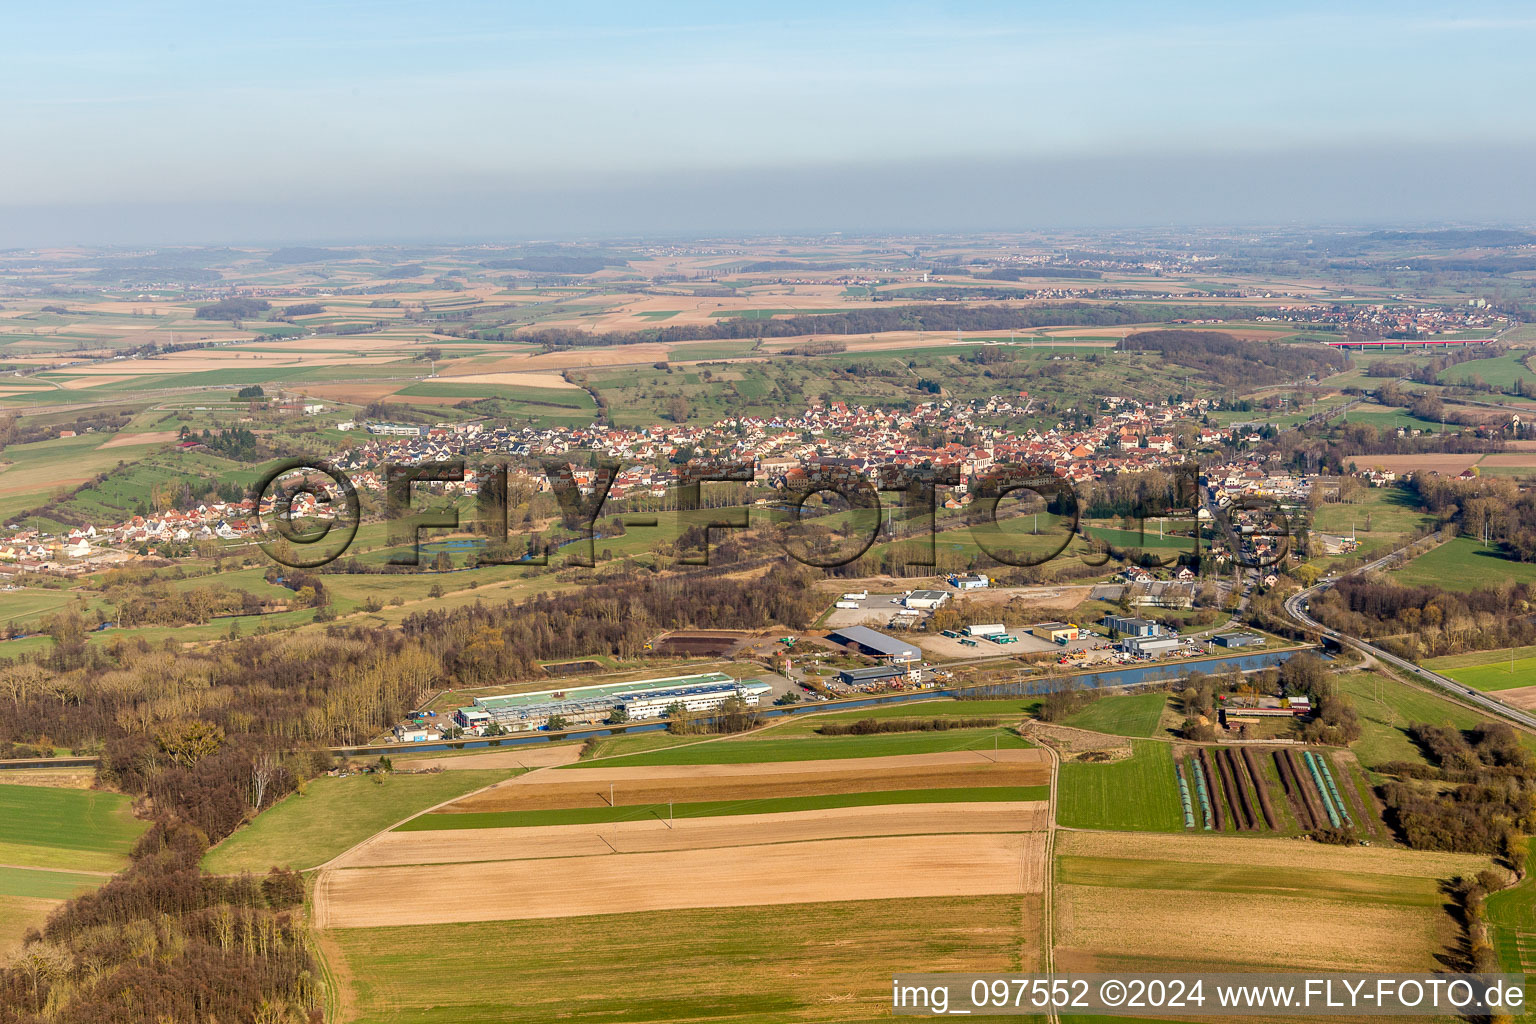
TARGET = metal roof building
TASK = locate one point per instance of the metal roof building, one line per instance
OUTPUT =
(876, 644)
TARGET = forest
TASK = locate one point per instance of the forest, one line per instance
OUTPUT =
(1231, 361)
(1426, 622)
(164, 942)
(1479, 796)
(937, 318)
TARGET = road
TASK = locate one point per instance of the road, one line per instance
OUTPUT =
(1296, 607)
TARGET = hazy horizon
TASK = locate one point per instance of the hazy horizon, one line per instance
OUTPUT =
(470, 121)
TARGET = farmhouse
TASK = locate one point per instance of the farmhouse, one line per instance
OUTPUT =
(876, 645)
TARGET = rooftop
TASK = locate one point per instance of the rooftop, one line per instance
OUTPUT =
(599, 692)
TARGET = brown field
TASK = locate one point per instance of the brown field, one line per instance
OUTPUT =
(446, 846)
(1520, 460)
(1099, 926)
(844, 869)
(360, 393)
(1447, 464)
(589, 787)
(129, 440)
(1105, 925)
(1519, 696)
(94, 381)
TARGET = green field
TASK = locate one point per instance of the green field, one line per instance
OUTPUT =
(807, 964)
(749, 749)
(1489, 670)
(1388, 419)
(1134, 714)
(1387, 707)
(32, 883)
(333, 815)
(720, 808)
(711, 350)
(78, 829)
(1138, 794)
(1512, 916)
(1464, 564)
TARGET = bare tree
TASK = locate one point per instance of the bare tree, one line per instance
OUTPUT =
(264, 771)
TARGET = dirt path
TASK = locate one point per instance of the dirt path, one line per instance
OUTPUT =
(1048, 875)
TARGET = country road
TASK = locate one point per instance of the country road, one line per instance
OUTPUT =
(1296, 607)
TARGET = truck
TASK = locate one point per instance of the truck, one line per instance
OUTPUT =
(861, 595)
(846, 604)
(986, 629)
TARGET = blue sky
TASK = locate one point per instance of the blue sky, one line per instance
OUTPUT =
(376, 111)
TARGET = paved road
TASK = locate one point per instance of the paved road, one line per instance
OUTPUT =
(1296, 607)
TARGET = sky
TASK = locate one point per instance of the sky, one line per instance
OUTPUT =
(194, 122)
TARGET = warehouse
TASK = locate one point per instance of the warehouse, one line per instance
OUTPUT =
(925, 600)
(703, 697)
(1129, 625)
(1237, 640)
(1149, 645)
(874, 674)
(976, 582)
(876, 645)
(1056, 632)
(640, 698)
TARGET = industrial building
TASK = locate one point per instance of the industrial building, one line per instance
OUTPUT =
(1237, 640)
(876, 645)
(986, 629)
(639, 699)
(925, 600)
(875, 674)
(1149, 645)
(1129, 625)
(1056, 632)
(970, 582)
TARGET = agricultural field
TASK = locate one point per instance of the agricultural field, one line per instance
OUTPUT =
(587, 837)
(1489, 671)
(723, 808)
(1129, 902)
(1139, 793)
(71, 829)
(332, 814)
(1512, 918)
(767, 746)
(56, 843)
(1464, 564)
(1276, 791)
(724, 964)
(1134, 714)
